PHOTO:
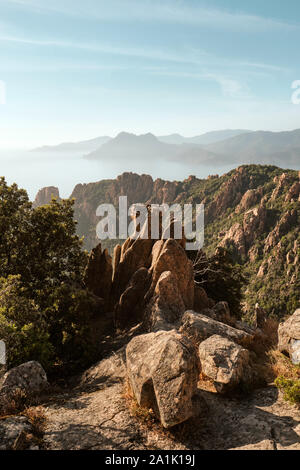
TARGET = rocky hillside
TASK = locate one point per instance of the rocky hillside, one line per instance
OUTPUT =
(252, 211)
(180, 371)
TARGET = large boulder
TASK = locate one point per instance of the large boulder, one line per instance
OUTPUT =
(223, 361)
(201, 299)
(289, 337)
(163, 372)
(166, 306)
(200, 327)
(29, 377)
(171, 256)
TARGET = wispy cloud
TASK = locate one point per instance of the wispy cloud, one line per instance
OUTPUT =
(166, 11)
(230, 88)
(145, 53)
(184, 56)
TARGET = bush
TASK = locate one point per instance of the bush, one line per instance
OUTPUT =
(220, 277)
(22, 326)
(290, 389)
(45, 311)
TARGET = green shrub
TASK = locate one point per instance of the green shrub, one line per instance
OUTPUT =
(45, 311)
(290, 389)
(22, 326)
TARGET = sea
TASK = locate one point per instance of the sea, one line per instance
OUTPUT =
(33, 170)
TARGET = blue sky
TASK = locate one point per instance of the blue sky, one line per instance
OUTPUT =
(77, 69)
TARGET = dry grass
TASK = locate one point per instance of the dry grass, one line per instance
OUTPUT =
(150, 422)
(143, 415)
(282, 366)
(206, 383)
(267, 362)
(37, 419)
(13, 404)
(19, 404)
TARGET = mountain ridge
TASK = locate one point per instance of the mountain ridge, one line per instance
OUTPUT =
(253, 211)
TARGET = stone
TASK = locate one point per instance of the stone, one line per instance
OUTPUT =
(200, 327)
(289, 337)
(163, 372)
(166, 307)
(107, 372)
(288, 220)
(29, 377)
(13, 432)
(222, 312)
(235, 237)
(172, 257)
(293, 193)
(224, 362)
(201, 299)
(249, 199)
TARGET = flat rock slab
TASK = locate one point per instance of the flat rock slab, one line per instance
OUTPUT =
(100, 419)
(13, 431)
(200, 327)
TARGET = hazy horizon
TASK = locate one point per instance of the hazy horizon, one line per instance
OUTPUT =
(73, 71)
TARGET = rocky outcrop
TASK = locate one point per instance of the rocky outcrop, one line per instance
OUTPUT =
(135, 254)
(98, 273)
(172, 286)
(224, 362)
(130, 308)
(282, 182)
(293, 193)
(30, 378)
(153, 281)
(45, 195)
(231, 192)
(249, 199)
(244, 209)
(289, 337)
(288, 220)
(235, 238)
(242, 236)
(163, 373)
(200, 327)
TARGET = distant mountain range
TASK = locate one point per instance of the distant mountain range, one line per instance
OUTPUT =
(203, 139)
(83, 146)
(261, 147)
(134, 147)
(93, 144)
(226, 147)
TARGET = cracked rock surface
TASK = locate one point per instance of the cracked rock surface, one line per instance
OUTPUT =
(95, 415)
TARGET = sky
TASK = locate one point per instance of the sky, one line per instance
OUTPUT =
(74, 70)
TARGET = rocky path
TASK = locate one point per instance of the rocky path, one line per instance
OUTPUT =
(95, 415)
